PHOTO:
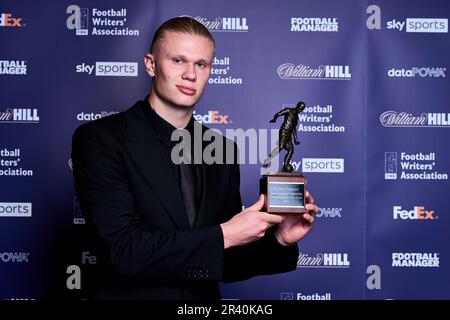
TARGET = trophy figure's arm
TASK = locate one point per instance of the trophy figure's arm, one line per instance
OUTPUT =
(280, 113)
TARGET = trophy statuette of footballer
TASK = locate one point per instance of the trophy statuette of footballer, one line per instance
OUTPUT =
(285, 191)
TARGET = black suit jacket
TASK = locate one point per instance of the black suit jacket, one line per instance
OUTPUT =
(145, 246)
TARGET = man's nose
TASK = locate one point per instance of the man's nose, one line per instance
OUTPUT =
(189, 72)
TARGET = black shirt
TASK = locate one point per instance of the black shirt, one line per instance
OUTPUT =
(164, 130)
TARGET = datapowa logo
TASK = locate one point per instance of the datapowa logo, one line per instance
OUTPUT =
(89, 116)
(329, 213)
(422, 72)
(17, 257)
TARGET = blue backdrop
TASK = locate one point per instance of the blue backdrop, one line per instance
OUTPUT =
(374, 138)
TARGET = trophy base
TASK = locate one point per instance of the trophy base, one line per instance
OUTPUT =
(284, 192)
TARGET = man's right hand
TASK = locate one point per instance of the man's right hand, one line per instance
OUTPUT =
(248, 225)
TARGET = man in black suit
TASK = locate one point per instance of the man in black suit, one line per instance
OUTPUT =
(168, 230)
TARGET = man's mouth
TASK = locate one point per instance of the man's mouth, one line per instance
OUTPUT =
(186, 90)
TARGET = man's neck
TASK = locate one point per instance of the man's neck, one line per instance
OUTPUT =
(177, 117)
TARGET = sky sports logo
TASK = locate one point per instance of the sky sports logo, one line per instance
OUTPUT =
(109, 69)
(412, 25)
(15, 209)
(426, 25)
(323, 165)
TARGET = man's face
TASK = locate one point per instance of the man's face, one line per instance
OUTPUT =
(182, 68)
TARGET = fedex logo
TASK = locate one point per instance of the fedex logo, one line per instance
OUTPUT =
(418, 213)
(7, 20)
(212, 117)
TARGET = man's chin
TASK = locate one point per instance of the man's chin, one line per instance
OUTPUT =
(185, 104)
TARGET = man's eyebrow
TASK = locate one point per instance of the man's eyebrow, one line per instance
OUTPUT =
(182, 56)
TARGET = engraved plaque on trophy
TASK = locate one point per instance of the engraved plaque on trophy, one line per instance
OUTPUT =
(284, 191)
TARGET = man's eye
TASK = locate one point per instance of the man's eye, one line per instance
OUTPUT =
(177, 60)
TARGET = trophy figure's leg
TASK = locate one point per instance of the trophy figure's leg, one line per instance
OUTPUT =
(274, 152)
(287, 167)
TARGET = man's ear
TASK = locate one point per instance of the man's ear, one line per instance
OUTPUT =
(149, 61)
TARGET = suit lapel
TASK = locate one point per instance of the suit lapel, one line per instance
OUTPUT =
(149, 156)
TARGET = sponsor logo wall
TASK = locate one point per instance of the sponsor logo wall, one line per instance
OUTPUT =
(373, 136)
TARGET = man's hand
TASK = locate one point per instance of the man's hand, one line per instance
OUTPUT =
(249, 225)
(296, 226)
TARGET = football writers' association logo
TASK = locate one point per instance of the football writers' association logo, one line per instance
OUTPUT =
(287, 296)
(78, 20)
(77, 214)
(390, 165)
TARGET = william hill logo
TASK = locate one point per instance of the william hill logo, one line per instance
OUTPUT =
(224, 24)
(212, 117)
(323, 260)
(291, 71)
(19, 115)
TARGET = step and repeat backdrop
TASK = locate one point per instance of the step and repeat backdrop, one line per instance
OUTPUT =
(374, 138)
